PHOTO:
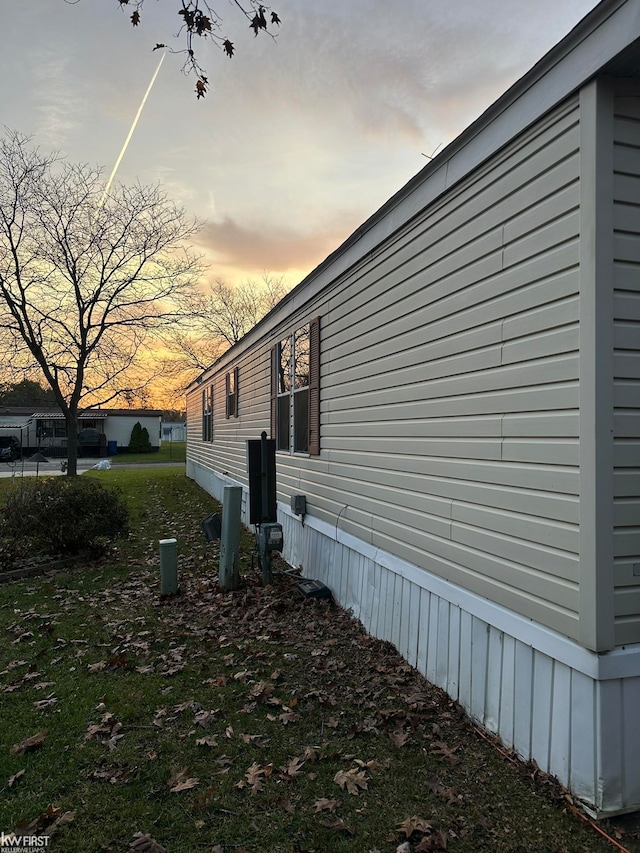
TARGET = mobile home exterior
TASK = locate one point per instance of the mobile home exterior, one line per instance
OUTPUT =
(456, 392)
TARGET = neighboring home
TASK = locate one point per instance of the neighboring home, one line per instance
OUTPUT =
(174, 431)
(102, 431)
(456, 392)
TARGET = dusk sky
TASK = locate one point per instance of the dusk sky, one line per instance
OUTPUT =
(299, 140)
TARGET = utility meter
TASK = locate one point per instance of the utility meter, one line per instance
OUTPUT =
(271, 538)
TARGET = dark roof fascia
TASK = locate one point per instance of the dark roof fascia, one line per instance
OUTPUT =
(610, 29)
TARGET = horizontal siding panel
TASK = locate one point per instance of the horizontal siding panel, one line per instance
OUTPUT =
(626, 217)
(451, 448)
(541, 450)
(627, 335)
(549, 425)
(626, 365)
(626, 126)
(541, 424)
(539, 372)
(626, 277)
(626, 158)
(564, 537)
(625, 482)
(393, 313)
(554, 506)
(396, 379)
(494, 298)
(626, 188)
(626, 454)
(552, 207)
(560, 312)
(394, 360)
(626, 393)
(540, 477)
(626, 306)
(626, 512)
(478, 577)
(626, 247)
(541, 241)
(627, 630)
(556, 396)
(626, 541)
(627, 601)
(556, 342)
(475, 427)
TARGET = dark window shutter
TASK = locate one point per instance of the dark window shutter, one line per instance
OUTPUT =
(236, 389)
(274, 391)
(227, 413)
(314, 387)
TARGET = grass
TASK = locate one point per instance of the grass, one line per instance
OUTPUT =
(175, 451)
(249, 721)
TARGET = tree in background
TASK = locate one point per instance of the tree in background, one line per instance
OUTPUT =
(198, 20)
(86, 281)
(26, 393)
(218, 318)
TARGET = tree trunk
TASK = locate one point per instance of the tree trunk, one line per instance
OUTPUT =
(72, 443)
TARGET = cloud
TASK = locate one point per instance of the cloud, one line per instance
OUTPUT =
(273, 249)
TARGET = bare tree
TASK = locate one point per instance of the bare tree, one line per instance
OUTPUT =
(228, 312)
(198, 20)
(86, 281)
(217, 319)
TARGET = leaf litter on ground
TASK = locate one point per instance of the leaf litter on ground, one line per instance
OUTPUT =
(230, 720)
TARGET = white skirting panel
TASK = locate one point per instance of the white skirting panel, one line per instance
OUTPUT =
(572, 711)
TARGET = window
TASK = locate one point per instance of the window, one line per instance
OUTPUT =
(207, 414)
(231, 383)
(295, 391)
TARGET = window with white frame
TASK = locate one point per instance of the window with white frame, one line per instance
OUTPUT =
(295, 409)
(207, 414)
(231, 387)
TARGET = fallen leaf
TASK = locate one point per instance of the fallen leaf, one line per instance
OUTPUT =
(144, 843)
(43, 704)
(441, 750)
(435, 842)
(337, 824)
(291, 770)
(326, 805)
(179, 780)
(13, 779)
(29, 743)
(399, 738)
(351, 780)
(206, 741)
(414, 824)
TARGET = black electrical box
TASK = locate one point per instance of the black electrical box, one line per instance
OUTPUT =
(298, 504)
(212, 527)
(261, 465)
(314, 589)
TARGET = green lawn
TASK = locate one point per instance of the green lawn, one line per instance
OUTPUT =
(248, 721)
(175, 451)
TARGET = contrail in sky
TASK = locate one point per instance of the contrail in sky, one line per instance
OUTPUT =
(130, 134)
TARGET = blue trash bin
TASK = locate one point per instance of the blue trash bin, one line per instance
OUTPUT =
(112, 448)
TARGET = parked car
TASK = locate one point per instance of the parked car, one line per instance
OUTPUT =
(10, 448)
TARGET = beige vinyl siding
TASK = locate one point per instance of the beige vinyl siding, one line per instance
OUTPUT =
(626, 340)
(449, 385)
